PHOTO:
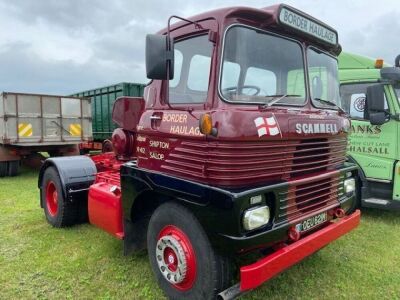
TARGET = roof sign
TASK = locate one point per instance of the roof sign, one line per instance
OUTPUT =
(307, 25)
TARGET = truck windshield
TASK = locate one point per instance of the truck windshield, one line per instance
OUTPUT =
(260, 67)
(323, 75)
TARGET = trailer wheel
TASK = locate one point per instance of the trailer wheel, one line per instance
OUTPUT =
(59, 211)
(3, 168)
(13, 168)
(182, 259)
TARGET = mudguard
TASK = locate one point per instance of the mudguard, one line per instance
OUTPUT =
(76, 173)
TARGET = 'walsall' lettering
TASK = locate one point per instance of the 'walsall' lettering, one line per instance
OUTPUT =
(369, 150)
(310, 128)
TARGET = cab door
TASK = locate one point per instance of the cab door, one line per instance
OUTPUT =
(396, 179)
(373, 147)
(172, 141)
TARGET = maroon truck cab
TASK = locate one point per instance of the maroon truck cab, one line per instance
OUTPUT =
(236, 153)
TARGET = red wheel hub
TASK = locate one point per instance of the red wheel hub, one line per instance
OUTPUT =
(176, 258)
(51, 198)
(170, 259)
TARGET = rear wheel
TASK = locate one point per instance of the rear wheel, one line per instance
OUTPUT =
(182, 259)
(3, 168)
(13, 168)
(59, 211)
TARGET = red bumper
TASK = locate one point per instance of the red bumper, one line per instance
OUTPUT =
(255, 274)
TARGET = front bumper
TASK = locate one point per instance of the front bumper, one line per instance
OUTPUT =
(255, 274)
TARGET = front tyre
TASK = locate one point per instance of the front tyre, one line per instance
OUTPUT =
(59, 211)
(184, 264)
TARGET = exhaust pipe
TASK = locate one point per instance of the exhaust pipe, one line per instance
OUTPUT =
(230, 293)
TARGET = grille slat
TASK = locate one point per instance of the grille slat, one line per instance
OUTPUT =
(307, 198)
(314, 207)
(256, 162)
(311, 186)
(303, 203)
(312, 192)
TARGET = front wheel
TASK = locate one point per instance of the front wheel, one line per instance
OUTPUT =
(182, 259)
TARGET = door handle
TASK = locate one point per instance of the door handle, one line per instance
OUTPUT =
(155, 117)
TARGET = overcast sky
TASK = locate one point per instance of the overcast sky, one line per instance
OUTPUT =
(65, 46)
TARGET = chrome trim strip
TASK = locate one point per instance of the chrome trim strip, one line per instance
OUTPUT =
(378, 180)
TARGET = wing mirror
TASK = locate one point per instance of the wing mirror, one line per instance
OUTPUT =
(375, 105)
(159, 57)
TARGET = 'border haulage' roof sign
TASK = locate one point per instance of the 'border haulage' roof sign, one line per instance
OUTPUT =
(303, 24)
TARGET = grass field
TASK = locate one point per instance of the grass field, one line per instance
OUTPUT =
(82, 262)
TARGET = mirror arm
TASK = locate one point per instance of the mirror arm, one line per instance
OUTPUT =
(169, 53)
(197, 25)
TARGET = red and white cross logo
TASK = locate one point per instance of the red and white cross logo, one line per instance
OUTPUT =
(266, 126)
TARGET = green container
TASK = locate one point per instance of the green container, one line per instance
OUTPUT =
(102, 103)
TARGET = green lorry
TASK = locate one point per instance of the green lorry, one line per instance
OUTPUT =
(102, 101)
(370, 92)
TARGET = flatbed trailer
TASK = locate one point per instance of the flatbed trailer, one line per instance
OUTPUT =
(32, 123)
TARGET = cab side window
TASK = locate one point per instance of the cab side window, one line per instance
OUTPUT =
(353, 99)
(191, 71)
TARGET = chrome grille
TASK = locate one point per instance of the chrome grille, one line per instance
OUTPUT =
(308, 198)
(251, 163)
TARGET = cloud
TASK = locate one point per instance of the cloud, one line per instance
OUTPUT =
(63, 46)
(378, 39)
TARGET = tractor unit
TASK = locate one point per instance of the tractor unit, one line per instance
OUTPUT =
(231, 168)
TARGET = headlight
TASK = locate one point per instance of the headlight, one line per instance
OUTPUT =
(256, 217)
(349, 185)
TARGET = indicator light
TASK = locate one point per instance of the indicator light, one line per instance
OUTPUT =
(379, 63)
(205, 124)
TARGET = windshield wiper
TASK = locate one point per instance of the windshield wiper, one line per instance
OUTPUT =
(330, 103)
(275, 99)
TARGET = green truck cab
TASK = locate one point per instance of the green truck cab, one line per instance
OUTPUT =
(370, 92)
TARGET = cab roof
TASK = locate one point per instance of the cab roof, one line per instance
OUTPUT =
(349, 60)
(358, 68)
(261, 17)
